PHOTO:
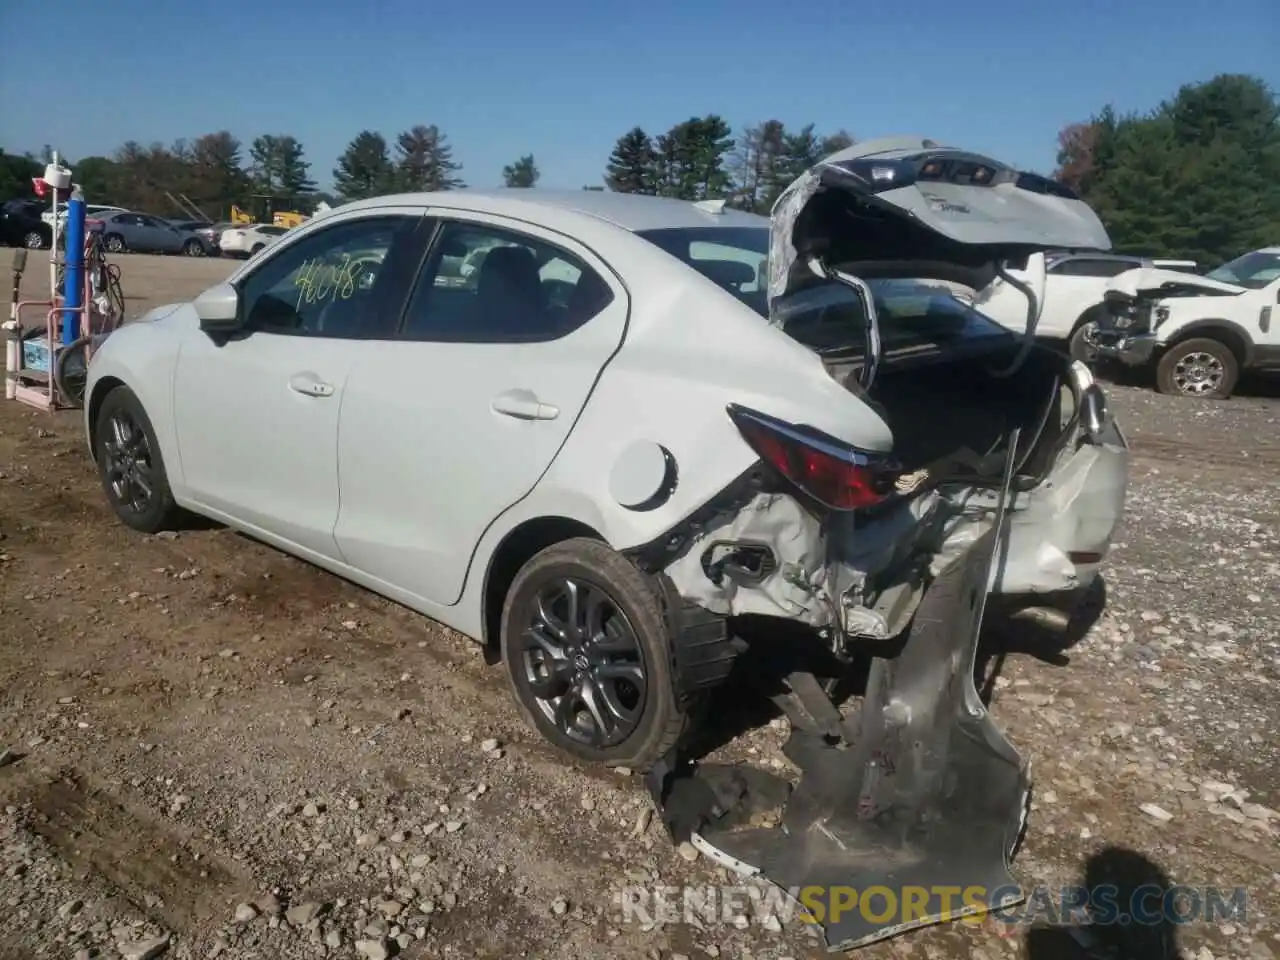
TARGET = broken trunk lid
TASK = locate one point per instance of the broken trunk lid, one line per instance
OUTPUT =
(908, 207)
(1152, 281)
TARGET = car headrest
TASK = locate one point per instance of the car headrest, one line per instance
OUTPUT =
(727, 273)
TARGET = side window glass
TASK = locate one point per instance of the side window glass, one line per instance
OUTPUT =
(482, 284)
(328, 285)
(731, 267)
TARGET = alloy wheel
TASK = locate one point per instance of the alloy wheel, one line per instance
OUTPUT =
(33, 241)
(115, 244)
(583, 664)
(128, 463)
(1198, 373)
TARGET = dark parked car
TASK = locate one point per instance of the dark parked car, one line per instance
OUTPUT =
(21, 225)
(207, 233)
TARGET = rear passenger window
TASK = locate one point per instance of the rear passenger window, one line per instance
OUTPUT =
(487, 285)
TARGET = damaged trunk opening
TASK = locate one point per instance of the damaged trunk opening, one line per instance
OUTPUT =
(892, 552)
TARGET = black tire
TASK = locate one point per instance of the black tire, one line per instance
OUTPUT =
(256, 248)
(193, 248)
(635, 621)
(120, 458)
(114, 243)
(70, 371)
(34, 240)
(1200, 367)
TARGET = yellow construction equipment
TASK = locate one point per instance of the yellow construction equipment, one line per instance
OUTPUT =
(269, 209)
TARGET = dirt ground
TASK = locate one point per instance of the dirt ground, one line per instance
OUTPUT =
(216, 750)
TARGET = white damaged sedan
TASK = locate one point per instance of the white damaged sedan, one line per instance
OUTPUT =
(636, 424)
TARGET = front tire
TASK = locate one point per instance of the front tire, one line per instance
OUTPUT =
(1199, 367)
(1078, 346)
(588, 656)
(193, 248)
(34, 240)
(130, 465)
(114, 243)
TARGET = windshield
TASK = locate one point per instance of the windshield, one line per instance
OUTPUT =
(1253, 270)
(733, 258)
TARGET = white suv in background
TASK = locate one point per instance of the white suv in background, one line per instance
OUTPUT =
(1073, 296)
(245, 241)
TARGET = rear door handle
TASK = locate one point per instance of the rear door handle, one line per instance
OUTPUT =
(308, 385)
(523, 405)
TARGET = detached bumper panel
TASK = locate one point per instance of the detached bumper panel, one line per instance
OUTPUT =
(921, 796)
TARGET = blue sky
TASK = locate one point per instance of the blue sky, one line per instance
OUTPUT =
(562, 79)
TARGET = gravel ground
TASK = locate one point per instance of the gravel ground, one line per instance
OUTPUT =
(216, 750)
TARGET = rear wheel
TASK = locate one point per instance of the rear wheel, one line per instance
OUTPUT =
(588, 656)
(130, 466)
(33, 240)
(1199, 367)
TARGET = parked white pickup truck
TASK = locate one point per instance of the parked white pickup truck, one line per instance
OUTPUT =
(1074, 287)
(1200, 332)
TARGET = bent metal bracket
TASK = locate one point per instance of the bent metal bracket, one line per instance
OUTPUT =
(920, 790)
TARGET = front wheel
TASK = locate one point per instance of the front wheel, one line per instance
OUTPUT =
(193, 248)
(114, 242)
(1079, 346)
(130, 465)
(1199, 367)
(588, 656)
(33, 240)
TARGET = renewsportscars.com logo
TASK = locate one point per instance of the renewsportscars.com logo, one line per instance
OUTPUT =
(882, 906)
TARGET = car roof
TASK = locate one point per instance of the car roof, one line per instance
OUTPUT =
(634, 212)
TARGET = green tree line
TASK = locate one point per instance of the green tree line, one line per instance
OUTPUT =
(1198, 176)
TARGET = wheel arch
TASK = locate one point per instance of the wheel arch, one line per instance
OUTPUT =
(1085, 316)
(516, 548)
(100, 390)
(1233, 336)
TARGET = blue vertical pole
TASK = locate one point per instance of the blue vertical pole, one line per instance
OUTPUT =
(73, 285)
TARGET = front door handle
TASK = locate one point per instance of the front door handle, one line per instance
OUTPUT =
(523, 405)
(308, 385)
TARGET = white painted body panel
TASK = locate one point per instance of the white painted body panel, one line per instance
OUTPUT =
(404, 480)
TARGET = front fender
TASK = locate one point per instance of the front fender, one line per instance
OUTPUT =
(141, 355)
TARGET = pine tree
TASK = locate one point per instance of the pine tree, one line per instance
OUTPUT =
(523, 173)
(631, 165)
(426, 160)
(364, 169)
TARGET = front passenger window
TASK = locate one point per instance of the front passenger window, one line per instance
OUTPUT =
(330, 284)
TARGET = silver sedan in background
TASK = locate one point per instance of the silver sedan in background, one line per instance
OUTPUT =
(143, 233)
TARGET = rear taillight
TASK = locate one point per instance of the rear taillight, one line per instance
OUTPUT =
(832, 472)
